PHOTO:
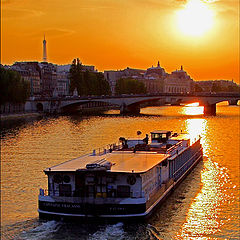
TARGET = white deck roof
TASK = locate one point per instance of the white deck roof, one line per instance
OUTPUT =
(122, 161)
(182, 136)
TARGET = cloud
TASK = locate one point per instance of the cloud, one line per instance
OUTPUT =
(20, 13)
(51, 33)
(228, 7)
(56, 32)
(6, 1)
(157, 3)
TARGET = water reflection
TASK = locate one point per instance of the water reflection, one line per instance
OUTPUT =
(205, 218)
(197, 127)
(193, 109)
(204, 206)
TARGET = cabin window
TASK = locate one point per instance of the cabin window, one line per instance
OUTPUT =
(90, 180)
(131, 179)
(110, 180)
(66, 179)
(111, 192)
(57, 178)
(91, 191)
(164, 135)
(123, 191)
(155, 136)
(65, 190)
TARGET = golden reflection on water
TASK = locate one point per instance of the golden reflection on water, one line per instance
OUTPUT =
(193, 109)
(196, 127)
(205, 217)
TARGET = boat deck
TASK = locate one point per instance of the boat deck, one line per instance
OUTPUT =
(123, 161)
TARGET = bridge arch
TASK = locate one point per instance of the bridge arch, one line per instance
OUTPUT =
(82, 105)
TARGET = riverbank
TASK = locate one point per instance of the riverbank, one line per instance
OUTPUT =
(17, 116)
(32, 115)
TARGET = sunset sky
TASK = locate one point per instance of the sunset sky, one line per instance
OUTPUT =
(203, 36)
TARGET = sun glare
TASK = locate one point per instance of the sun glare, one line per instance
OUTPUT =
(193, 109)
(196, 18)
(196, 104)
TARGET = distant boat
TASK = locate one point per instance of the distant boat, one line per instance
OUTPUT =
(122, 181)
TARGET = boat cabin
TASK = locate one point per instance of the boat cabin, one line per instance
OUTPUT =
(160, 136)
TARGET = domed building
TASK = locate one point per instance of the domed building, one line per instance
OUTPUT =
(158, 72)
(153, 79)
(178, 82)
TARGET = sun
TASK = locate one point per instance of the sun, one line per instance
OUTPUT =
(196, 18)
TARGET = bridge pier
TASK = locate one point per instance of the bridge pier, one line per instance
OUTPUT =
(129, 109)
(233, 102)
(210, 110)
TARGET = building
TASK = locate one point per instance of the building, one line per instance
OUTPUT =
(30, 71)
(152, 78)
(42, 76)
(46, 79)
(204, 86)
(113, 76)
(178, 82)
(156, 72)
(49, 78)
(62, 81)
(67, 67)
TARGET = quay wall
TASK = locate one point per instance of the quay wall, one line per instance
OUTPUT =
(9, 108)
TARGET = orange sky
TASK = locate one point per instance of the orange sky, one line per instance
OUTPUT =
(114, 34)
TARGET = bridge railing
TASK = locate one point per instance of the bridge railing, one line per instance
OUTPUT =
(156, 94)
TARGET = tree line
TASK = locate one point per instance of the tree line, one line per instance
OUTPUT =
(129, 85)
(216, 87)
(13, 88)
(86, 82)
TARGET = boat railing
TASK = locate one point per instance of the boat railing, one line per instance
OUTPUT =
(175, 148)
(107, 149)
(182, 169)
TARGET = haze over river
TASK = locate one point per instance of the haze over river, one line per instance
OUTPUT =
(204, 206)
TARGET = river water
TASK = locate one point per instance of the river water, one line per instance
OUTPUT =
(204, 206)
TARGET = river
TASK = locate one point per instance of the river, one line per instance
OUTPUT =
(204, 206)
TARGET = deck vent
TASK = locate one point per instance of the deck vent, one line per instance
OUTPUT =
(101, 164)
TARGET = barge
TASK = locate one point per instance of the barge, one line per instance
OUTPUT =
(122, 181)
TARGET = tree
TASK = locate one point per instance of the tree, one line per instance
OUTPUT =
(198, 88)
(233, 88)
(216, 87)
(76, 76)
(102, 85)
(86, 82)
(14, 88)
(129, 85)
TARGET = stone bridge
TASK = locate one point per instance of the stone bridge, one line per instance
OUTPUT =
(132, 103)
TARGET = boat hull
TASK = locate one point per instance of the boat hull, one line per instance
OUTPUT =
(91, 210)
